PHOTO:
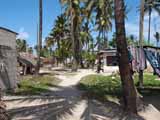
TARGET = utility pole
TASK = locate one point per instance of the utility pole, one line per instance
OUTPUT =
(141, 27)
(39, 36)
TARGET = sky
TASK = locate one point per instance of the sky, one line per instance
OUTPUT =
(21, 16)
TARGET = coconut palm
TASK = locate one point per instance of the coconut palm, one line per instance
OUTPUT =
(21, 45)
(129, 92)
(149, 7)
(103, 10)
(73, 11)
(59, 36)
(39, 46)
(60, 30)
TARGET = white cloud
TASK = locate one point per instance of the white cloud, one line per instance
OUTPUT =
(43, 41)
(22, 34)
(132, 27)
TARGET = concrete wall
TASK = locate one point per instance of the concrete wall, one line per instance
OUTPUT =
(7, 38)
(8, 60)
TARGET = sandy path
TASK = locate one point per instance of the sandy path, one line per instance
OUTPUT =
(65, 102)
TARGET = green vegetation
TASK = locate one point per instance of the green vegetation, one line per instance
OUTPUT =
(100, 86)
(149, 81)
(34, 85)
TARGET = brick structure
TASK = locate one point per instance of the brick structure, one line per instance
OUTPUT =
(8, 59)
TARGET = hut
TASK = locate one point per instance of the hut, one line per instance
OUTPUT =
(27, 63)
(8, 59)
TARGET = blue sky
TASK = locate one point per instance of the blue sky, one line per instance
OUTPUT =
(22, 16)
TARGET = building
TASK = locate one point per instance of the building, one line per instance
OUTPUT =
(109, 57)
(110, 60)
(8, 59)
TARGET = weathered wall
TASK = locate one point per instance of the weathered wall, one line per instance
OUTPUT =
(7, 39)
(8, 60)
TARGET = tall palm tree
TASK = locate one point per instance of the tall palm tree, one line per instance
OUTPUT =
(59, 37)
(103, 10)
(72, 10)
(40, 36)
(129, 92)
(149, 6)
(60, 30)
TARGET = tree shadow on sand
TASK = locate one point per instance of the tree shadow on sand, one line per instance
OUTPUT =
(62, 103)
(151, 96)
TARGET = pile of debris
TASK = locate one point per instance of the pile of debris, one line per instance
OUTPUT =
(3, 113)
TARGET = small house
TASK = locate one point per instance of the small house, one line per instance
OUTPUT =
(110, 60)
(109, 57)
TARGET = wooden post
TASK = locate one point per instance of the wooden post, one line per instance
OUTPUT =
(39, 46)
(141, 41)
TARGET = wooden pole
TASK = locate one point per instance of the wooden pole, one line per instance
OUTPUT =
(141, 26)
(39, 46)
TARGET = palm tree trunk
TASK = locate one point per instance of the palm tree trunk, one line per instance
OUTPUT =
(74, 65)
(40, 37)
(149, 28)
(99, 41)
(129, 91)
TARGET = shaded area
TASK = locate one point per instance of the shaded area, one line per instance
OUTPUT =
(107, 88)
(151, 96)
(49, 107)
(62, 104)
(100, 86)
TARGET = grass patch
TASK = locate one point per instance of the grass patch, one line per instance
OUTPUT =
(101, 86)
(35, 85)
(149, 80)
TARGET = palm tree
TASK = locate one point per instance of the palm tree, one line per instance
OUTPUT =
(30, 50)
(129, 92)
(59, 35)
(40, 37)
(149, 6)
(21, 45)
(73, 11)
(60, 29)
(103, 10)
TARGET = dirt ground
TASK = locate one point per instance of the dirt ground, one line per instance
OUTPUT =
(66, 102)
